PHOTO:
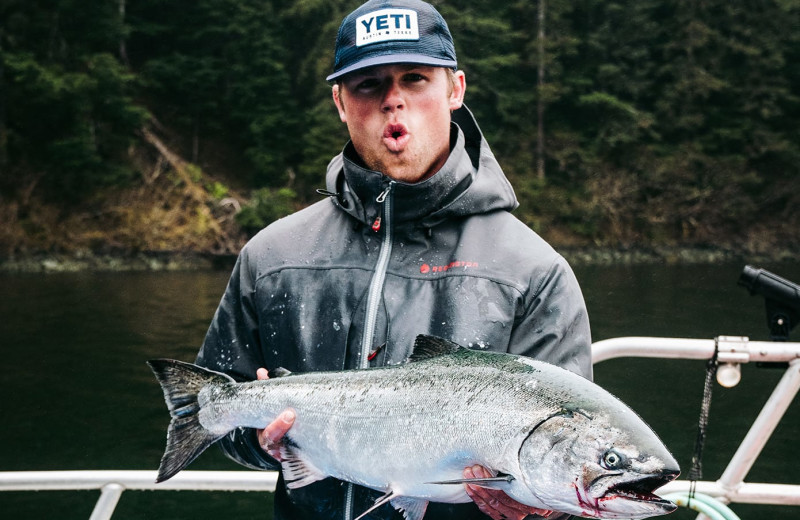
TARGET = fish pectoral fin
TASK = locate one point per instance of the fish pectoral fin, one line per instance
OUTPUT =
(412, 508)
(378, 503)
(297, 472)
(500, 482)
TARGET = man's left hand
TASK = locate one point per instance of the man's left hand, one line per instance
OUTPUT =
(496, 503)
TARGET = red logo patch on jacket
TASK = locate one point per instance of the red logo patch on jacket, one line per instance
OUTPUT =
(425, 268)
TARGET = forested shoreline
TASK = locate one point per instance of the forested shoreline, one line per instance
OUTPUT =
(152, 128)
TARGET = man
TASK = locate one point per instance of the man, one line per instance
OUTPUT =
(415, 237)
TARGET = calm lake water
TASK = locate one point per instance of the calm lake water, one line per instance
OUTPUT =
(76, 393)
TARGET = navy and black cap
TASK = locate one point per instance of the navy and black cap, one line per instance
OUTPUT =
(383, 32)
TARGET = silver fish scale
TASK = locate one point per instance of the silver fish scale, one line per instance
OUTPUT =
(408, 429)
(373, 426)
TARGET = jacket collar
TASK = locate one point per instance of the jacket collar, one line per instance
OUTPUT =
(471, 181)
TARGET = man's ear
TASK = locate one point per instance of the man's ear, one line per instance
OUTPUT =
(337, 100)
(459, 88)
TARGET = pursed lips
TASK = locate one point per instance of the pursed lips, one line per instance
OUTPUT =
(396, 137)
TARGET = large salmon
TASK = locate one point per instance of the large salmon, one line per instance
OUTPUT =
(556, 440)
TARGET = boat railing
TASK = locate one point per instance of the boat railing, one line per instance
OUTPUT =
(731, 351)
(112, 483)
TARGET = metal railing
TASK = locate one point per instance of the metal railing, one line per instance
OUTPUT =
(731, 353)
(112, 483)
(730, 488)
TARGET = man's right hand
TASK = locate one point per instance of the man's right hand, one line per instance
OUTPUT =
(270, 437)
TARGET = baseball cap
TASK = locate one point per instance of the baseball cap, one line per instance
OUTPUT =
(383, 32)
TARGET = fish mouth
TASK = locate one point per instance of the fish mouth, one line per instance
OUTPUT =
(641, 491)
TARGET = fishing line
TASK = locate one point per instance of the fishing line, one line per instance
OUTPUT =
(696, 472)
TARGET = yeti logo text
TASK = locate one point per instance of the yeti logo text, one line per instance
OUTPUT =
(386, 25)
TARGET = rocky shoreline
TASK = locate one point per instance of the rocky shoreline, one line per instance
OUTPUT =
(675, 255)
(138, 262)
(172, 261)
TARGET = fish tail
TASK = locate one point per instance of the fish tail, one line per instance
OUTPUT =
(186, 437)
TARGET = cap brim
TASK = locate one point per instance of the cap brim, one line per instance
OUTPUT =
(391, 59)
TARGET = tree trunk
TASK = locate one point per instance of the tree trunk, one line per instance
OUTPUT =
(540, 173)
(123, 50)
(3, 132)
(195, 142)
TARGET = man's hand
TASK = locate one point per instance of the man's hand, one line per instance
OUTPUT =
(496, 503)
(270, 437)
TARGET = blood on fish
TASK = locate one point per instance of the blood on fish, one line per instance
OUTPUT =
(584, 505)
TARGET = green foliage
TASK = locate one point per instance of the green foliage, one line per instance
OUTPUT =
(266, 205)
(72, 126)
(68, 116)
(217, 190)
(662, 120)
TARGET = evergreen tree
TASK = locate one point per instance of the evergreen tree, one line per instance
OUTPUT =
(68, 113)
(663, 121)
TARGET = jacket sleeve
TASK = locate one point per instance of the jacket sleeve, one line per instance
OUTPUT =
(555, 325)
(232, 346)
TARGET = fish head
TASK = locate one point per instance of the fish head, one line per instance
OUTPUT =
(587, 464)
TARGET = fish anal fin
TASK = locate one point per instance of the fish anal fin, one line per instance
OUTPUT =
(412, 508)
(429, 347)
(297, 471)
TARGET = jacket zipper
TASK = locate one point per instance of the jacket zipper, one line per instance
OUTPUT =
(378, 278)
(374, 298)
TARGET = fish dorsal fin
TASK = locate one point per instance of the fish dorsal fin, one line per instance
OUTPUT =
(280, 372)
(429, 347)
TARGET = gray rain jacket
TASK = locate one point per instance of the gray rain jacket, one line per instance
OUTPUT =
(378, 263)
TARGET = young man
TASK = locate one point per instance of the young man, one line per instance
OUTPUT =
(416, 237)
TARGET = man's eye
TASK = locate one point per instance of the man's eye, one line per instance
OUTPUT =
(414, 77)
(368, 84)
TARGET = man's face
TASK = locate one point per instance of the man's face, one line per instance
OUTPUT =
(398, 117)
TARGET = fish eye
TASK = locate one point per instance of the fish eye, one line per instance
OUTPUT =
(612, 459)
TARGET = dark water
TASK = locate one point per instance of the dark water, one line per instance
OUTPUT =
(75, 392)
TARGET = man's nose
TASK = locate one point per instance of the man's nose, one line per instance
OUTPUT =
(392, 97)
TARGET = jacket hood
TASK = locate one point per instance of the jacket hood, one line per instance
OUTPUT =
(470, 182)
